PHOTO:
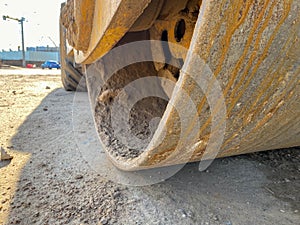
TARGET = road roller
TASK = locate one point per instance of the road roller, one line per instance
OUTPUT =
(177, 81)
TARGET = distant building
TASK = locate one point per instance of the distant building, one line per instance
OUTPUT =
(30, 49)
(43, 49)
(34, 55)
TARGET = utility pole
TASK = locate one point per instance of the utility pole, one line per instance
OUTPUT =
(23, 45)
(21, 21)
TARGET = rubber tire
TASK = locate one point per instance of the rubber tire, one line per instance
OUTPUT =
(72, 78)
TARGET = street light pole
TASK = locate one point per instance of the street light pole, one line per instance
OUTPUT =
(23, 45)
(22, 32)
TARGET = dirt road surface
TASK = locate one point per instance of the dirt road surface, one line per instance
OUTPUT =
(48, 181)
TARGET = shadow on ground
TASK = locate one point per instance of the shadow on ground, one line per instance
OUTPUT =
(57, 186)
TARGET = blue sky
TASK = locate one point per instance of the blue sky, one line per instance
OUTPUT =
(41, 24)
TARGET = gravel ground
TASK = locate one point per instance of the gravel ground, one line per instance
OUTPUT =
(48, 181)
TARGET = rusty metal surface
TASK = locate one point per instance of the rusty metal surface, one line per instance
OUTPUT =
(172, 15)
(149, 16)
(110, 21)
(252, 49)
(77, 18)
(175, 24)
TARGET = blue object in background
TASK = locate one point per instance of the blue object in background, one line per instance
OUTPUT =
(50, 64)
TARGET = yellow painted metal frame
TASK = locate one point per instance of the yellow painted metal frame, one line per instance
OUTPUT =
(111, 20)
